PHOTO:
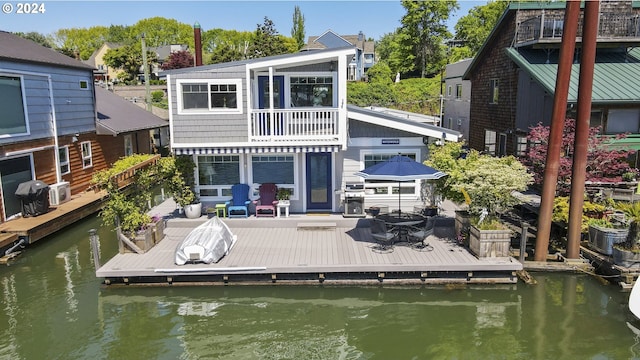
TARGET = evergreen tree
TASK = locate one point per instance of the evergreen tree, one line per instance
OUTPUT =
(297, 31)
(267, 41)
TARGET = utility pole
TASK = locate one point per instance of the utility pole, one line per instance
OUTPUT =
(147, 89)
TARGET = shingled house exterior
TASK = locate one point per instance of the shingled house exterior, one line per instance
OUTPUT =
(513, 75)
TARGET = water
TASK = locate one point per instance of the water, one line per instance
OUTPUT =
(53, 307)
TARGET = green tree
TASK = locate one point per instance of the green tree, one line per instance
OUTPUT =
(226, 45)
(423, 30)
(267, 41)
(80, 40)
(391, 50)
(160, 31)
(297, 31)
(475, 27)
(128, 58)
(36, 37)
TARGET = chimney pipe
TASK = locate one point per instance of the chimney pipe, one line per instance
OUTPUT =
(198, 43)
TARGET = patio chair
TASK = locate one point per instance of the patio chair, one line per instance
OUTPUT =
(266, 204)
(417, 235)
(383, 237)
(238, 206)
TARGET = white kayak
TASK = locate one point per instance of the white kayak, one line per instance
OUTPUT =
(634, 299)
(207, 243)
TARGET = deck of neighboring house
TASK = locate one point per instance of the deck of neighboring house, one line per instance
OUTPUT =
(34, 228)
(303, 248)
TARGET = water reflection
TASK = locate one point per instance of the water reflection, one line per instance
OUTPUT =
(52, 304)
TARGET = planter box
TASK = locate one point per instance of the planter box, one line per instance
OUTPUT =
(489, 243)
(463, 222)
(602, 239)
(158, 230)
(144, 240)
(626, 258)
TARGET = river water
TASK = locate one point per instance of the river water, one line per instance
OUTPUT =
(53, 307)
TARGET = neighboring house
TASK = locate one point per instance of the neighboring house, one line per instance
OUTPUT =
(135, 130)
(48, 122)
(457, 98)
(365, 50)
(284, 120)
(162, 54)
(103, 72)
(513, 75)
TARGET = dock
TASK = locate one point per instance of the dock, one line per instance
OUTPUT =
(34, 228)
(304, 249)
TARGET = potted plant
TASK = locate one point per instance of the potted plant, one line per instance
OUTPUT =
(627, 252)
(182, 184)
(283, 195)
(485, 184)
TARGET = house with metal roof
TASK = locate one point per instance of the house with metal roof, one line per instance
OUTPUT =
(48, 123)
(513, 75)
(284, 119)
(364, 58)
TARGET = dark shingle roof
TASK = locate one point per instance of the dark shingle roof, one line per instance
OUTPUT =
(13, 47)
(117, 115)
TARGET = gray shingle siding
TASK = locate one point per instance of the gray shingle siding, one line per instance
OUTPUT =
(208, 128)
(74, 107)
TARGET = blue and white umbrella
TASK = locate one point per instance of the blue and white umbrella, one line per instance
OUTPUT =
(400, 168)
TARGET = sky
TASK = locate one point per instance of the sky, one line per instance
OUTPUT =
(346, 17)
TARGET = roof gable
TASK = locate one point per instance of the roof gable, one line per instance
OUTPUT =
(16, 48)
(332, 40)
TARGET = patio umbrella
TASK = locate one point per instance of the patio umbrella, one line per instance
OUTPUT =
(400, 168)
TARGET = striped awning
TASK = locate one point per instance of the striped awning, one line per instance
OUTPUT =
(256, 150)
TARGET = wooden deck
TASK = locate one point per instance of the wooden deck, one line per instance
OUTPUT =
(309, 249)
(35, 228)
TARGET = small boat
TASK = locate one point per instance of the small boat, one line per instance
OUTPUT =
(634, 299)
(207, 243)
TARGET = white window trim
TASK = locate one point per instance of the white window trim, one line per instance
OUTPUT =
(390, 184)
(24, 107)
(296, 184)
(219, 188)
(90, 157)
(209, 82)
(67, 163)
(287, 87)
(80, 84)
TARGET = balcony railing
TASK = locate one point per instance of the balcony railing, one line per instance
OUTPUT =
(295, 125)
(612, 26)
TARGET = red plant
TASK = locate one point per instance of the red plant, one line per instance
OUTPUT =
(604, 164)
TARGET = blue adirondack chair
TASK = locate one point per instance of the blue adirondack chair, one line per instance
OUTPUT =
(238, 206)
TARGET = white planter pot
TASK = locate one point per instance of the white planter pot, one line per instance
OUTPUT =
(193, 211)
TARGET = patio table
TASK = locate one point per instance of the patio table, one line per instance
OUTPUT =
(402, 222)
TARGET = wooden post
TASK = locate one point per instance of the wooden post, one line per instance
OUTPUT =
(95, 249)
(523, 240)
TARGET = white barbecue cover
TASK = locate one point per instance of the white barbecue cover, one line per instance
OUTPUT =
(207, 243)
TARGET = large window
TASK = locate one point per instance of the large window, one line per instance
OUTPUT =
(217, 174)
(63, 157)
(277, 169)
(87, 160)
(13, 120)
(210, 96)
(311, 91)
(385, 187)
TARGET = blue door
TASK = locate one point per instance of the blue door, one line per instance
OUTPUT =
(263, 92)
(318, 174)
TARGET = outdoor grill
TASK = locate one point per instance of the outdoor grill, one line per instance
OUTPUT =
(354, 200)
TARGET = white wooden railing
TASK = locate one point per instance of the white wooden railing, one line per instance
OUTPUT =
(295, 125)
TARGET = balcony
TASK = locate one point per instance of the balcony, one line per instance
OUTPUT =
(295, 126)
(613, 28)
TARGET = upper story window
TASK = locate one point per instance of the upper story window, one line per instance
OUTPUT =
(63, 157)
(197, 96)
(87, 159)
(458, 91)
(490, 140)
(449, 90)
(311, 91)
(494, 91)
(13, 117)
